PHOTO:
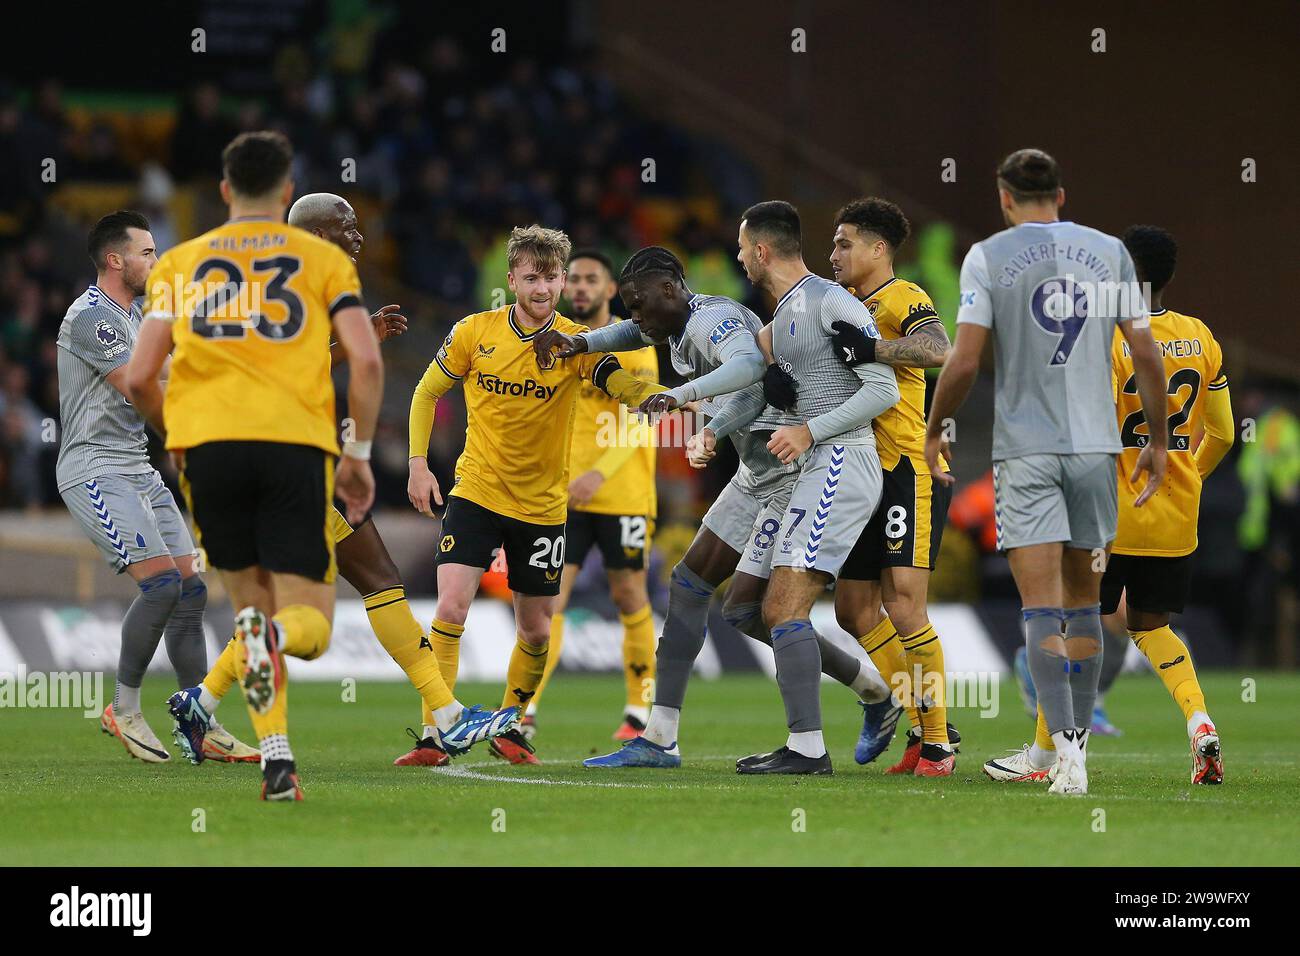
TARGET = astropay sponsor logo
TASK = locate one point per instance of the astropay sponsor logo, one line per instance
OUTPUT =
(528, 388)
(77, 909)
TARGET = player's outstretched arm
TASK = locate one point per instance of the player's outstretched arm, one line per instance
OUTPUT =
(354, 481)
(1220, 430)
(927, 347)
(741, 367)
(140, 381)
(955, 382)
(618, 383)
(615, 337)
(1151, 384)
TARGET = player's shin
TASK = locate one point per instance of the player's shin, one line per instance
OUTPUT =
(1043, 751)
(924, 654)
(1172, 663)
(186, 646)
(638, 660)
(142, 629)
(1050, 670)
(407, 644)
(886, 651)
(554, 649)
(1083, 647)
(798, 675)
(445, 638)
(683, 637)
(524, 675)
(227, 669)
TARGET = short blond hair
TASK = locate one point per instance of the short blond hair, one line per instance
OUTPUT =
(547, 248)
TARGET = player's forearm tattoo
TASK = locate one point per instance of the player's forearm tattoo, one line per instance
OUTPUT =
(925, 348)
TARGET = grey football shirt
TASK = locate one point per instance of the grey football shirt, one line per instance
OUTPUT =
(829, 391)
(101, 433)
(718, 328)
(1052, 294)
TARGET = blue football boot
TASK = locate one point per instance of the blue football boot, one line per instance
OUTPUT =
(638, 753)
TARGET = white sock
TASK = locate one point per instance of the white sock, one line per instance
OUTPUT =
(532, 709)
(207, 701)
(869, 685)
(641, 714)
(1197, 718)
(445, 717)
(1065, 746)
(275, 747)
(807, 742)
(1041, 757)
(126, 700)
(661, 728)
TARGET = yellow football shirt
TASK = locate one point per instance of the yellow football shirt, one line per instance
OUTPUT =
(612, 440)
(899, 308)
(520, 415)
(251, 306)
(1166, 525)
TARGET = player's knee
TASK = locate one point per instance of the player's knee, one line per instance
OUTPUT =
(775, 611)
(194, 593)
(305, 631)
(1082, 648)
(736, 611)
(162, 589)
(907, 612)
(452, 610)
(629, 596)
(535, 631)
(856, 620)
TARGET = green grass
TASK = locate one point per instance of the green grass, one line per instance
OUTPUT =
(70, 796)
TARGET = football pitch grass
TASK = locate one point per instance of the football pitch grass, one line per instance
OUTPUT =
(70, 796)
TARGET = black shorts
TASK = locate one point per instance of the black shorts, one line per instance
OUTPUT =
(534, 552)
(624, 540)
(907, 528)
(262, 503)
(1155, 585)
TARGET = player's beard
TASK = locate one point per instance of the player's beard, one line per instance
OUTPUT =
(583, 312)
(531, 309)
(135, 284)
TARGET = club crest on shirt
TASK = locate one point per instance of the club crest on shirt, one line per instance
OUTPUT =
(110, 339)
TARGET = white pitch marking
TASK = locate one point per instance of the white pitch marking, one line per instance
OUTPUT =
(465, 774)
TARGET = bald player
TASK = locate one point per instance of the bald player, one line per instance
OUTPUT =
(363, 561)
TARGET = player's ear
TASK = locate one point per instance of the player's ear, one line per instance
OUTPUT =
(1060, 196)
(224, 188)
(286, 194)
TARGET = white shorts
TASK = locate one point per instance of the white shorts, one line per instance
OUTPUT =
(756, 556)
(832, 500)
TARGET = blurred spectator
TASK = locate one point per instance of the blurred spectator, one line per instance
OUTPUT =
(202, 132)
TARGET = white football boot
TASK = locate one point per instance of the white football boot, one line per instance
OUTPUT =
(137, 737)
(1017, 768)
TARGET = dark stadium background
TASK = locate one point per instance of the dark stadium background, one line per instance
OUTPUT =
(455, 143)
